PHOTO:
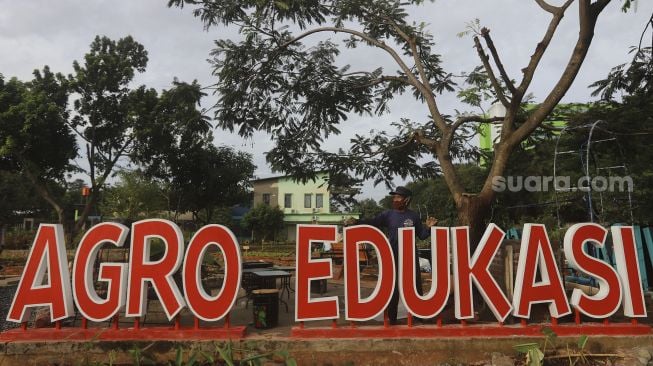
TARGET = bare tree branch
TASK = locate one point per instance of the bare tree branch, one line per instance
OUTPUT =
(497, 60)
(588, 14)
(546, 6)
(488, 68)
(529, 71)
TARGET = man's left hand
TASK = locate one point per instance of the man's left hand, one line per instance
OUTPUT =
(431, 221)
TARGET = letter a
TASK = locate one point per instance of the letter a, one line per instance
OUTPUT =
(48, 253)
(536, 253)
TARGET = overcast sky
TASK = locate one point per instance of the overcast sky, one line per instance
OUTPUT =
(34, 33)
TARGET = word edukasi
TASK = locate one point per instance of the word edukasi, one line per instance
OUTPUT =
(46, 280)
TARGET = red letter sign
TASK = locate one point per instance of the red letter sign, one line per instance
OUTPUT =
(310, 270)
(115, 275)
(48, 252)
(477, 270)
(536, 253)
(625, 255)
(201, 304)
(355, 307)
(607, 300)
(433, 302)
(159, 273)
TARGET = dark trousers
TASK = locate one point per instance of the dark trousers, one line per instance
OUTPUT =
(394, 300)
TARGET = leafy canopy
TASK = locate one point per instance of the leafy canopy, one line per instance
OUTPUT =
(274, 82)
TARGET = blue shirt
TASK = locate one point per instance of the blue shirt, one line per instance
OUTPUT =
(394, 220)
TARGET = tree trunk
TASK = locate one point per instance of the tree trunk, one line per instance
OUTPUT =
(474, 211)
(44, 192)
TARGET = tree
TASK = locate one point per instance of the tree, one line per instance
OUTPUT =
(116, 123)
(110, 116)
(179, 151)
(431, 196)
(133, 197)
(271, 81)
(368, 208)
(16, 201)
(217, 177)
(343, 188)
(265, 221)
(32, 113)
(627, 109)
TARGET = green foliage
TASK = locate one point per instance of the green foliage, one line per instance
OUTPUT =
(218, 177)
(18, 199)
(634, 78)
(246, 356)
(178, 151)
(534, 356)
(140, 357)
(272, 81)
(133, 197)
(432, 197)
(109, 114)
(31, 113)
(368, 208)
(179, 357)
(627, 4)
(630, 121)
(264, 220)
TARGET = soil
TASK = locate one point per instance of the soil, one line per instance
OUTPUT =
(6, 296)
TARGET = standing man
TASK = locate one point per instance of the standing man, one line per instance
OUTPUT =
(398, 217)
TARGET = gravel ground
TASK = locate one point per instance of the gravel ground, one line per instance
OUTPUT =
(6, 296)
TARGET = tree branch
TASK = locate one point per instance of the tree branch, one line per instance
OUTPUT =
(529, 71)
(423, 89)
(363, 36)
(479, 119)
(588, 14)
(42, 188)
(384, 79)
(546, 6)
(497, 60)
(488, 68)
(430, 99)
(422, 139)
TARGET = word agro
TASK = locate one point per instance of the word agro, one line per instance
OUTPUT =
(46, 280)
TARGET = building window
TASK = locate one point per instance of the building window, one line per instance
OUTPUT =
(287, 200)
(307, 200)
(319, 200)
(266, 199)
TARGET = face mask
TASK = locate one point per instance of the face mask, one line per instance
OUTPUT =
(399, 205)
